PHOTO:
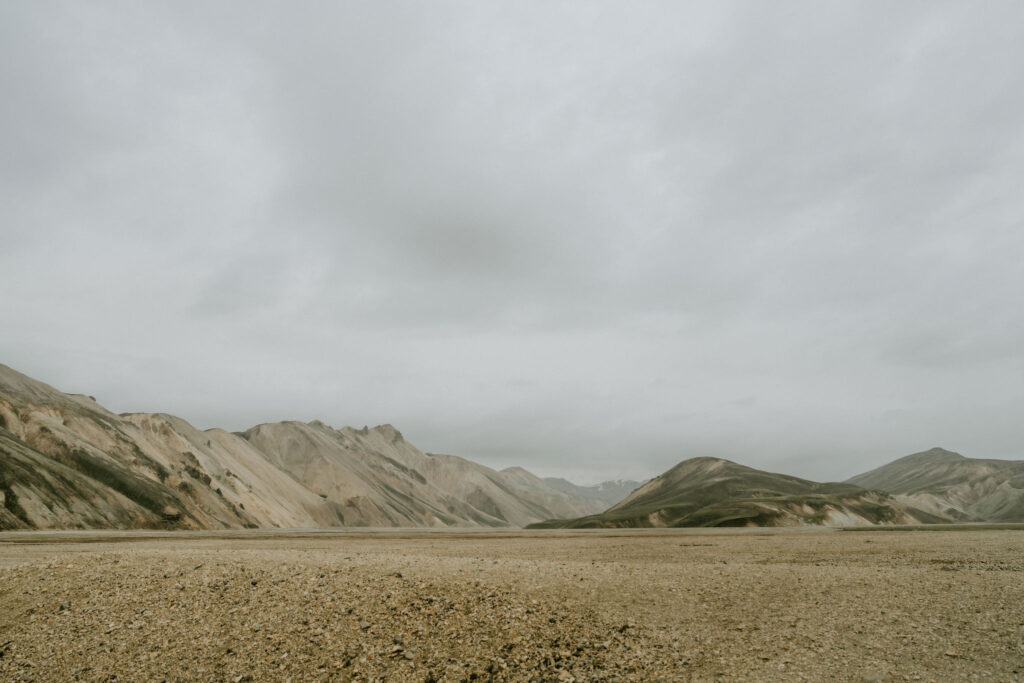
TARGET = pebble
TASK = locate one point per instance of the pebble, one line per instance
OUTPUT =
(812, 606)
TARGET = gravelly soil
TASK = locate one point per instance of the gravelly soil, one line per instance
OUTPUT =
(545, 606)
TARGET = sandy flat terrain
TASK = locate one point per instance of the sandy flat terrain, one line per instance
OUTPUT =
(454, 606)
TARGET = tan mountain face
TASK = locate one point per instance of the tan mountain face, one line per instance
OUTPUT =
(948, 484)
(97, 469)
(66, 462)
(716, 492)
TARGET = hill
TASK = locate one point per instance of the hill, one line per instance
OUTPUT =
(949, 484)
(713, 492)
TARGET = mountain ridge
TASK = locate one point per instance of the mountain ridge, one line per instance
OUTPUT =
(607, 493)
(706, 491)
(950, 484)
(68, 462)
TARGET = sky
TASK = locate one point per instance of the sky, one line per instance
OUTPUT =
(589, 238)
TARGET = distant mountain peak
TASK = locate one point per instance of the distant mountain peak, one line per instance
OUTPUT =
(608, 493)
(699, 465)
(932, 455)
(386, 430)
(706, 460)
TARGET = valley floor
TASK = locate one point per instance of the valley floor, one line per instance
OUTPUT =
(758, 604)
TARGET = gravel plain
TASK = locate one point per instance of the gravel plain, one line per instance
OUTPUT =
(630, 605)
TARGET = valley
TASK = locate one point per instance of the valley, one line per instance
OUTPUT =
(504, 605)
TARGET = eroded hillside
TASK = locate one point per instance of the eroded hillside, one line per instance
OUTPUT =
(67, 462)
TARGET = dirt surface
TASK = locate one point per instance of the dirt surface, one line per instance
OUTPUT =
(547, 605)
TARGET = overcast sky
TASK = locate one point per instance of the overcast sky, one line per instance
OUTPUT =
(592, 239)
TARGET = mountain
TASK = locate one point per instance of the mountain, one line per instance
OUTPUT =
(383, 480)
(712, 492)
(607, 493)
(67, 462)
(949, 484)
(574, 501)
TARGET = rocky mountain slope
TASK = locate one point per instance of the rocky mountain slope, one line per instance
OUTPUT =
(67, 462)
(715, 492)
(949, 484)
(386, 481)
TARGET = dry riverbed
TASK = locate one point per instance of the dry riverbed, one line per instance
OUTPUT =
(520, 606)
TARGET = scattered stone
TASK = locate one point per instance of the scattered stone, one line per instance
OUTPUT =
(888, 612)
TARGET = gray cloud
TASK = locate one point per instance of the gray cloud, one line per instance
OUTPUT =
(586, 238)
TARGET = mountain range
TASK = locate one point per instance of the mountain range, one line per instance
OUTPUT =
(932, 487)
(66, 462)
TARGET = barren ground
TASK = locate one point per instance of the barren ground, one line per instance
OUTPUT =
(548, 605)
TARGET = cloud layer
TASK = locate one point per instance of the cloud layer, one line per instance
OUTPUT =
(589, 238)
